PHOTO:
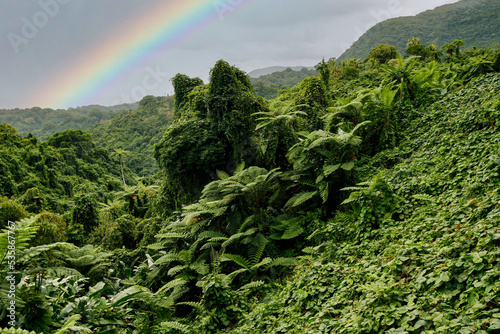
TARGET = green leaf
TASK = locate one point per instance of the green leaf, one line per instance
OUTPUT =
(327, 170)
(300, 198)
(495, 324)
(472, 298)
(420, 323)
(348, 166)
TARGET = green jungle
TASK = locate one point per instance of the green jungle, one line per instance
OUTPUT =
(364, 199)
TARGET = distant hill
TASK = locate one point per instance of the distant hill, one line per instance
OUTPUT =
(477, 22)
(118, 107)
(269, 70)
(269, 85)
(43, 123)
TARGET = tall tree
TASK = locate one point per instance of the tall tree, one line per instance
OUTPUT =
(120, 153)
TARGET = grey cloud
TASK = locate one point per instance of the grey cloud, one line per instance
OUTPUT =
(262, 33)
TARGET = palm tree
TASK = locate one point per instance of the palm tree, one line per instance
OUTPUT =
(453, 48)
(121, 153)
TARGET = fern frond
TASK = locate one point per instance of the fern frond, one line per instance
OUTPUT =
(23, 230)
(284, 262)
(167, 258)
(252, 285)
(222, 175)
(238, 259)
(197, 305)
(292, 231)
(33, 252)
(247, 222)
(210, 234)
(300, 198)
(329, 169)
(178, 282)
(209, 245)
(175, 270)
(63, 272)
(171, 236)
(155, 246)
(324, 191)
(175, 325)
(425, 197)
(200, 268)
(265, 262)
(229, 278)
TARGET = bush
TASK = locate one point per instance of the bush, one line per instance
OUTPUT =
(33, 200)
(10, 211)
(119, 233)
(52, 228)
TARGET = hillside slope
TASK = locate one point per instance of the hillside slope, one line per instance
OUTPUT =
(137, 131)
(476, 22)
(427, 261)
(269, 85)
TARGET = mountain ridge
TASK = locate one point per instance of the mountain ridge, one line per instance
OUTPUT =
(474, 21)
(272, 69)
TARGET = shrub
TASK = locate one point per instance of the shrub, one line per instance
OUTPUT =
(10, 211)
(52, 228)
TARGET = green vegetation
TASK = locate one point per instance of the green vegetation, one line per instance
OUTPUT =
(43, 123)
(137, 131)
(269, 86)
(474, 21)
(364, 199)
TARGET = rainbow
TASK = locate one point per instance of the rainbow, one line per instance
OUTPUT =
(160, 27)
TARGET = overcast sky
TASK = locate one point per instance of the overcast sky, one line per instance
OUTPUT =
(250, 34)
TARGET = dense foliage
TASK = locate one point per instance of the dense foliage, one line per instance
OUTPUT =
(137, 131)
(362, 200)
(43, 123)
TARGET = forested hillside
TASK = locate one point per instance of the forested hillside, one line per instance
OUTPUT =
(43, 123)
(268, 86)
(474, 21)
(136, 132)
(364, 199)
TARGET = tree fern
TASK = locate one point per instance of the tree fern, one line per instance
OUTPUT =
(23, 230)
(31, 253)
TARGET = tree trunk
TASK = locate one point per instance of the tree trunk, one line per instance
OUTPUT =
(123, 174)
